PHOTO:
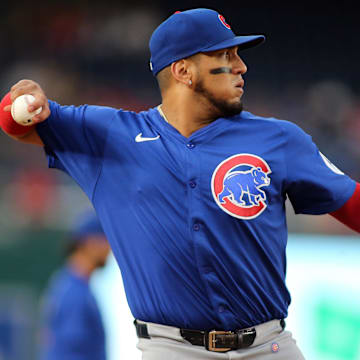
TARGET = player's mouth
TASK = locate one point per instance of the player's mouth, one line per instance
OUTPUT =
(239, 84)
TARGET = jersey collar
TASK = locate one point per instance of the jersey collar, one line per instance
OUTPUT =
(200, 136)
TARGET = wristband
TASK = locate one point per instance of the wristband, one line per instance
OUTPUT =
(7, 123)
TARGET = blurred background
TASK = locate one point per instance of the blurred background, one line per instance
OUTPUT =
(97, 53)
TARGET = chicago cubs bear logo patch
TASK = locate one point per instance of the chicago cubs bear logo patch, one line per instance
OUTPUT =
(238, 184)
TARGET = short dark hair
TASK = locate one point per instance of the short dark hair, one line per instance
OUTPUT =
(163, 79)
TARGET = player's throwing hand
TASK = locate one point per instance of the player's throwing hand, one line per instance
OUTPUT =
(31, 87)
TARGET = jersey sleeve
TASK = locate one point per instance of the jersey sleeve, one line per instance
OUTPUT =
(74, 139)
(313, 184)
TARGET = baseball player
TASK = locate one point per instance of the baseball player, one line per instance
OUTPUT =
(191, 194)
(72, 326)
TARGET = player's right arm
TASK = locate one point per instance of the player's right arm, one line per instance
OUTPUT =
(74, 138)
(28, 134)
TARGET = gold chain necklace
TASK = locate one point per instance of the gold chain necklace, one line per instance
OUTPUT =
(162, 113)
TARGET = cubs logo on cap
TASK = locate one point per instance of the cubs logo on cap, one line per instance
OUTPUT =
(222, 20)
(237, 185)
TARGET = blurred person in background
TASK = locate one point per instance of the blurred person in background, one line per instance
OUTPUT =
(192, 194)
(71, 322)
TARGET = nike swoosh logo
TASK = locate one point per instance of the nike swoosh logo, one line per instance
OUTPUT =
(140, 138)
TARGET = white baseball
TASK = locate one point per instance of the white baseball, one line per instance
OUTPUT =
(19, 110)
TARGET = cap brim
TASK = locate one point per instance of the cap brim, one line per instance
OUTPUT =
(244, 42)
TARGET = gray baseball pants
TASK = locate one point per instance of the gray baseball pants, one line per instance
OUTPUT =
(271, 343)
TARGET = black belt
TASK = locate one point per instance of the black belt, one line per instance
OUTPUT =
(220, 341)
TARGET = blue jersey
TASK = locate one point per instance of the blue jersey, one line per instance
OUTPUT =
(197, 225)
(72, 327)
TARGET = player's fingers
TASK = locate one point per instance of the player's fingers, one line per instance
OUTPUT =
(24, 87)
(7, 108)
(42, 116)
(20, 88)
(40, 101)
(24, 84)
(45, 112)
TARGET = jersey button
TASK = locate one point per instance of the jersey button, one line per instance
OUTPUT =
(196, 227)
(190, 145)
(221, 309)
(192, 184)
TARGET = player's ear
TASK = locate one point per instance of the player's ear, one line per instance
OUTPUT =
(181, 70)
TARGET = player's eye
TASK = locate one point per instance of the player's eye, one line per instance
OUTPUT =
(225, 54)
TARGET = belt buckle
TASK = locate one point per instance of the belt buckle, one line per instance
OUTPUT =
(212, 340)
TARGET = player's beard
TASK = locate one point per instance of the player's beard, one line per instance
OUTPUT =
(223, 108)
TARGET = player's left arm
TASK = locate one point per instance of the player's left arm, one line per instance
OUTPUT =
(349, 213)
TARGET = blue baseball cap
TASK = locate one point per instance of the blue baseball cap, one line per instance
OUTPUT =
(86, 224)
(193, 31)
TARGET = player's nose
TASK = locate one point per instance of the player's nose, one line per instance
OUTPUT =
(239, 66)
